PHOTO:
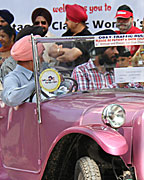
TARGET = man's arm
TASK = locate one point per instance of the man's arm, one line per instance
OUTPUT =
(55, 50)
(69, 54)
(64, 54)
(12, 94)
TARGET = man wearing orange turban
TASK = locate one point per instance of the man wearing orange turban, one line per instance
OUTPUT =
(19, 84)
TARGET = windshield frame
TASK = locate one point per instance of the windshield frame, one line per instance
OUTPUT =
(95, 38)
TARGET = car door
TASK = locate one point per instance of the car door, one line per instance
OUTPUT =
(19, 137)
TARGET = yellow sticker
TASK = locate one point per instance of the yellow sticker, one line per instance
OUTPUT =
(50, 80)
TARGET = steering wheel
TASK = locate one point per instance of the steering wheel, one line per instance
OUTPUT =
(71, 86)
(74, 85)
(34, 92)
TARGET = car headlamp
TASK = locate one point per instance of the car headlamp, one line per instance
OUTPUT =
(113, 115)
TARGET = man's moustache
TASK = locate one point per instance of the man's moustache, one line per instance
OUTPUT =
(103, 60)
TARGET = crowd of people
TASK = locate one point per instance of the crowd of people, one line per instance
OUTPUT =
(16, 60)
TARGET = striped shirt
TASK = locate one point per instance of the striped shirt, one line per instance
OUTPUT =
(89, 78)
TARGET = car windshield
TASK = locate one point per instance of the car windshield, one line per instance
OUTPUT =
(89, 63)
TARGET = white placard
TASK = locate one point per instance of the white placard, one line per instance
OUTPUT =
(129, 74)
(119, 40)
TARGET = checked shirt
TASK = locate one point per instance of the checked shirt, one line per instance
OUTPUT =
(89, 78)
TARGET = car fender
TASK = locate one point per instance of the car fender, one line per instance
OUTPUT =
(138, 145)
(108, 139)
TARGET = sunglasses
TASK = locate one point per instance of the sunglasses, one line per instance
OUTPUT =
(38, 22)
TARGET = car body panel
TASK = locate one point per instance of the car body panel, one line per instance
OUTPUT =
(138, 145)
(20, 138)
(109, 139)
(26, 145)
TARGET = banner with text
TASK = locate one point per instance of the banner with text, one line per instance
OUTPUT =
(101, 13)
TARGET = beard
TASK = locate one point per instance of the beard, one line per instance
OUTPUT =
(124, 27)
(45, 31)
(106, 61)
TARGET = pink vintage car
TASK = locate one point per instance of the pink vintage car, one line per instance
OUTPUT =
(89, 135)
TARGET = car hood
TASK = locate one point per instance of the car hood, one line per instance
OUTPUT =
(86, 107)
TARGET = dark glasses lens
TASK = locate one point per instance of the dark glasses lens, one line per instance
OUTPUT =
(38, 22)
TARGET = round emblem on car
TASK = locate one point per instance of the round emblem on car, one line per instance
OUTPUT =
(50, 80)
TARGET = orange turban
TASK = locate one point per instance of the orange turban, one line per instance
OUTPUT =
(76, 13)
(22, 49)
